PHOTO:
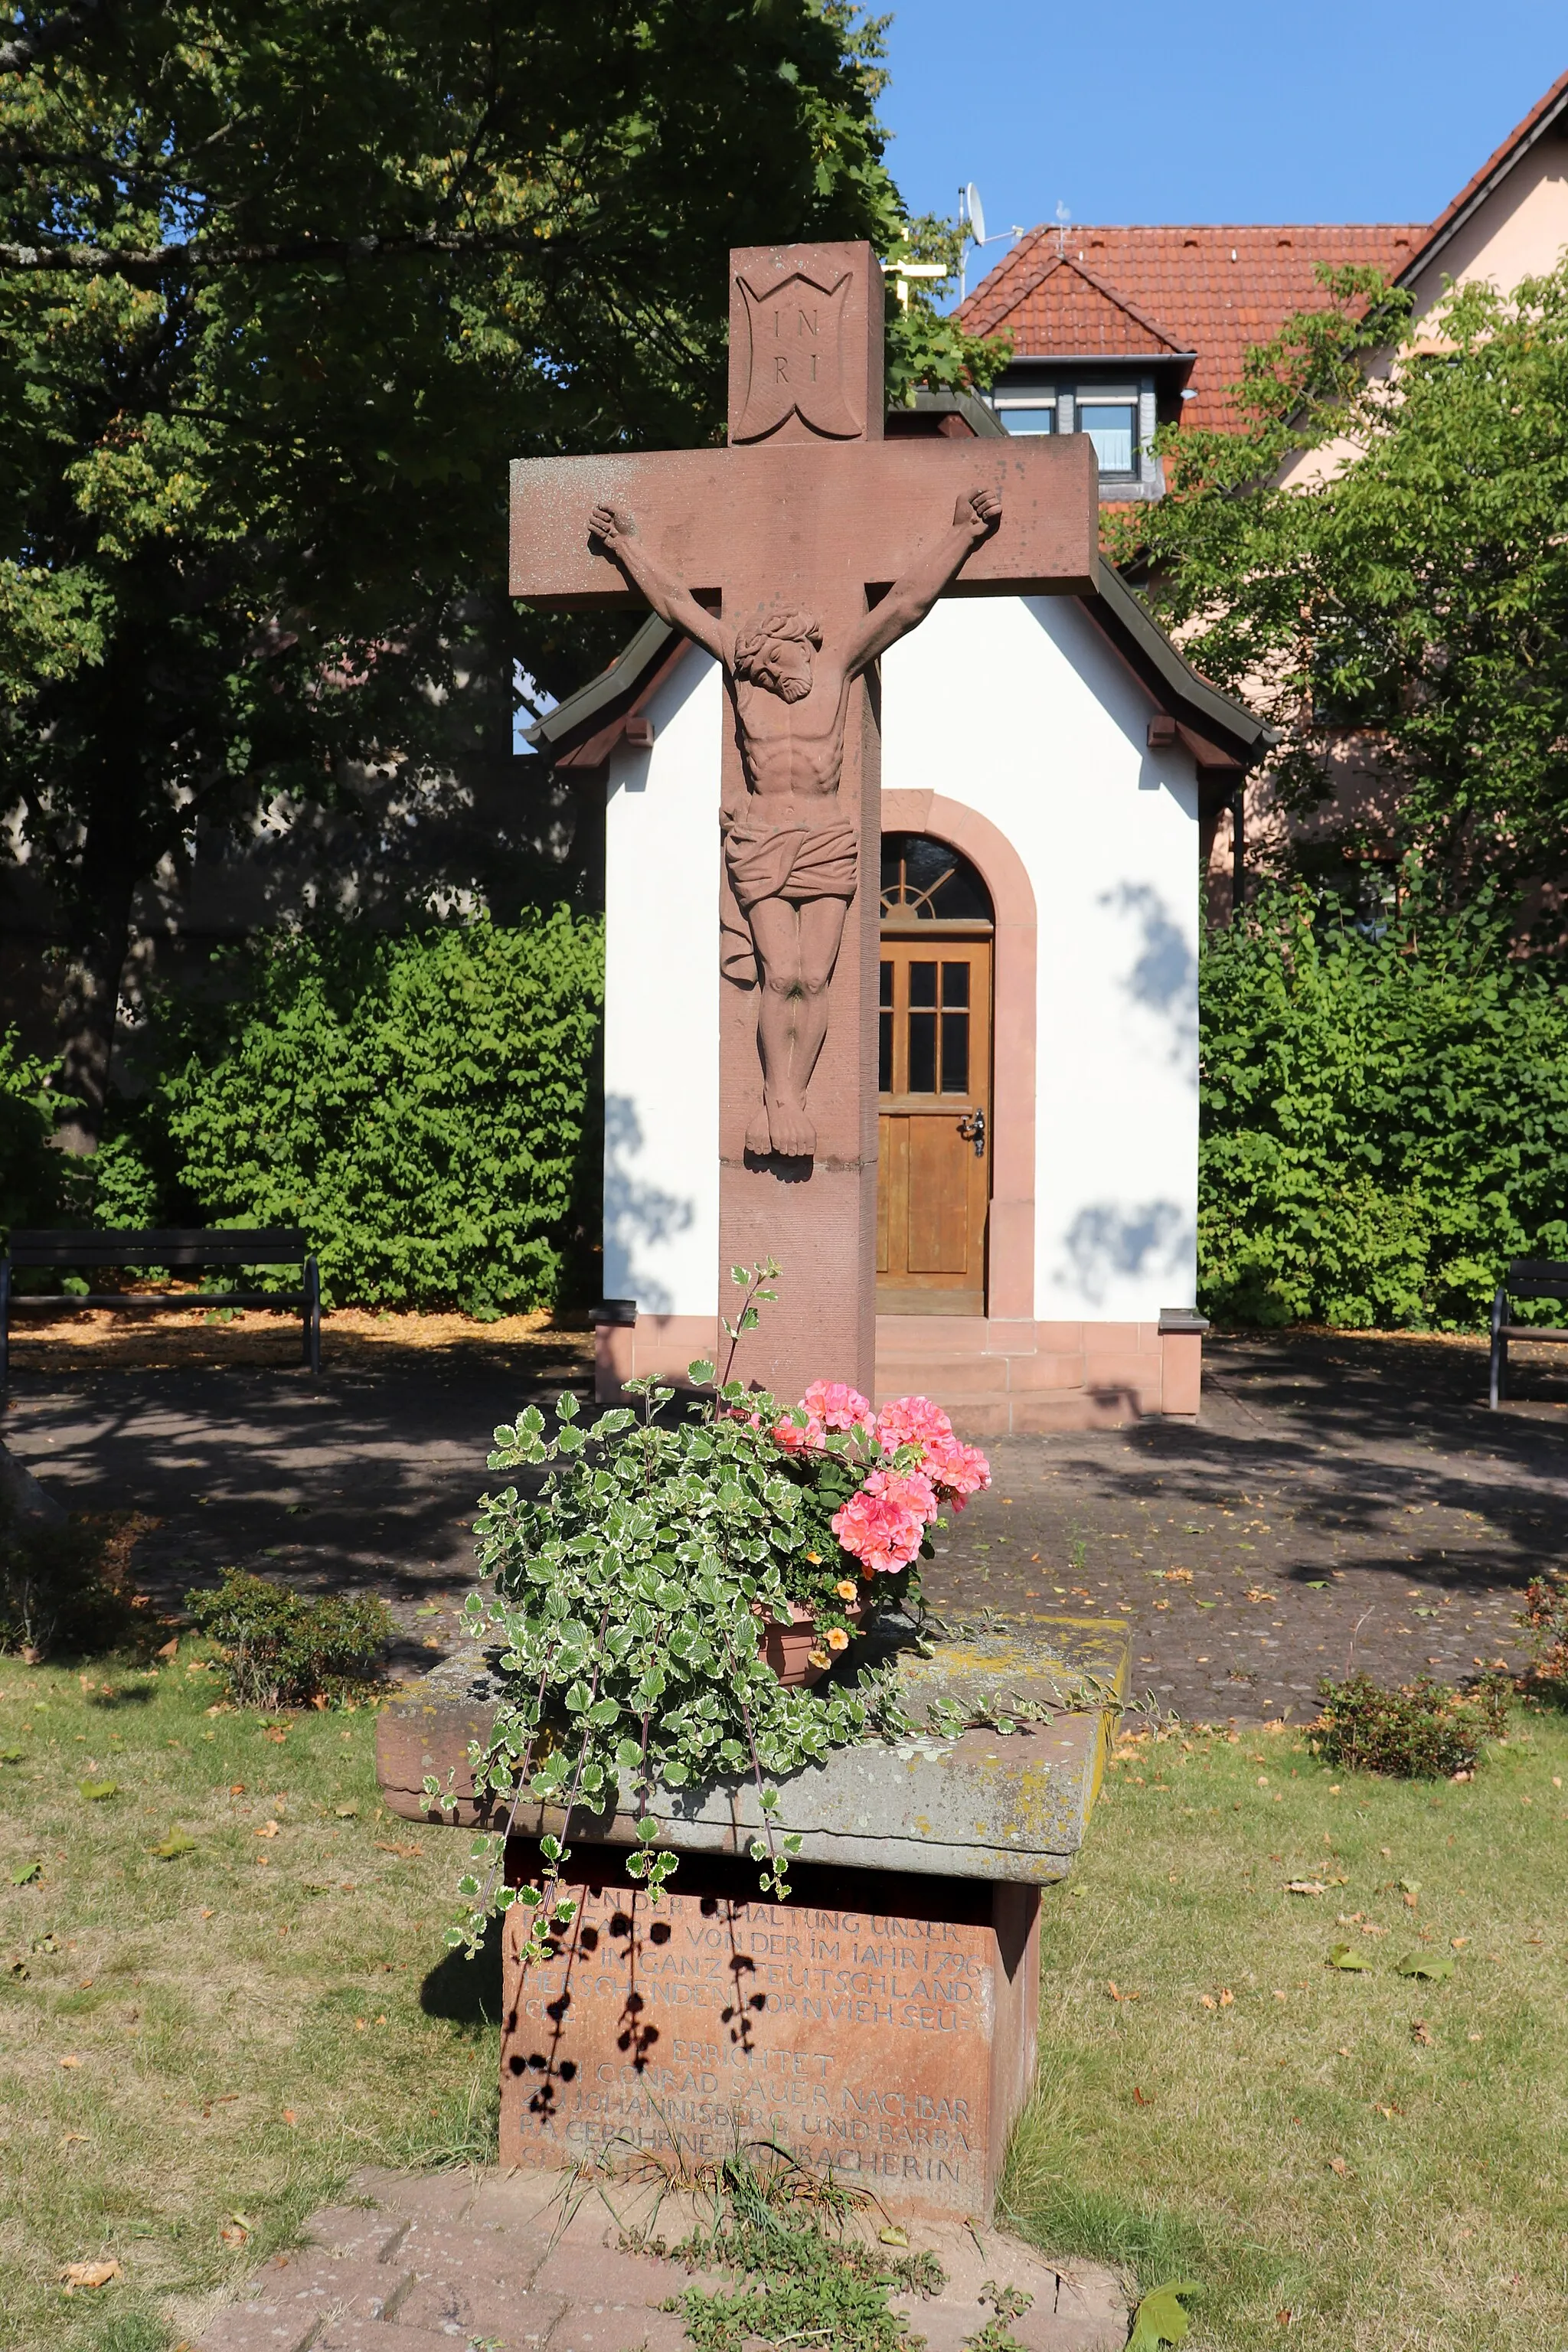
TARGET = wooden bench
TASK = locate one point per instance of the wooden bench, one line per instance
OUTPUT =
(1527, 1277)
(185, 1251)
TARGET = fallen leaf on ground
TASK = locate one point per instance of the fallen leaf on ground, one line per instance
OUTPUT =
(10, 1755)
(95, 1791)
(176, 1842)
(70, 2059)
(1435, 1965)
(1420, 2031)
(268, 1829)
(25, 1873)
(289, 2116)
(892, 2236)
(1159, 2319)
(170, 1649)
(1337, 2164)
(77, 2275)
(1342, 1956)
(347, 1812)
(1305, 1886)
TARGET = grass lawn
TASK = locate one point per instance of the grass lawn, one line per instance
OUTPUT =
(1379, 2157)
(195, 2051)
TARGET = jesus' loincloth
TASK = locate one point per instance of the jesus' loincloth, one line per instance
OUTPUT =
(791, 861)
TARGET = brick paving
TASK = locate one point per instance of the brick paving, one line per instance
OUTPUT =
(541, 2263)
(1342, 1499)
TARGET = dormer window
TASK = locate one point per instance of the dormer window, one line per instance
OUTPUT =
(1113, 426)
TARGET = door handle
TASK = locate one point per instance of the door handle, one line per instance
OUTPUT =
(971, 1127)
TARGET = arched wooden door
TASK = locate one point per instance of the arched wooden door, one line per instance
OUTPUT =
(934, 1182)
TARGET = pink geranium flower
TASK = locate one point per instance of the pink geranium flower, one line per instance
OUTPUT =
(907, 1490)
(957, 1470)
(880, 1533)
(795, 1438)
(836, 1405)
(913, 1420)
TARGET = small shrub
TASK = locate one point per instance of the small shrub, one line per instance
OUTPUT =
(282, 1650)
(69, 1587)
(1424, 1730)
(1544, 1622)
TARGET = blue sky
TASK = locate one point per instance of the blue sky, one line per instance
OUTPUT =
(1222, 110)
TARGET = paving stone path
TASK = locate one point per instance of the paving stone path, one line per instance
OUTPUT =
(537, 2262)
(1342, 1499)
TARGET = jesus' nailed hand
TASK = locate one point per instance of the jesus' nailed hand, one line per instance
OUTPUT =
(792, 859)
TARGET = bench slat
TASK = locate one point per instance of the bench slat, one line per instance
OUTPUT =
(183, 1247)
(1530, 1331)
(60, 1303)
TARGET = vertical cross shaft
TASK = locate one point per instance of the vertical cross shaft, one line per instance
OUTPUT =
(806, 365)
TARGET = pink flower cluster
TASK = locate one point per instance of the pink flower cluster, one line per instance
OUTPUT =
(883, 1525)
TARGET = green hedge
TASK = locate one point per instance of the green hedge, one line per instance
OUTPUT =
(33, 1176)
(419, 1104)
(1385, 1120)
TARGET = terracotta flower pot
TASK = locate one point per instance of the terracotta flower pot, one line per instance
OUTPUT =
(787, 1648)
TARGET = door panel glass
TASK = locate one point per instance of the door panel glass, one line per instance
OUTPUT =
(885, 1034)
(923, 1053)
(922, 983)
(955, 1053)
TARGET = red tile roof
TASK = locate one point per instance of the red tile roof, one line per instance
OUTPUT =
(1211, 290)
(1065, 307)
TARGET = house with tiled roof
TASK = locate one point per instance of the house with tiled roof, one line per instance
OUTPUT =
(1117, 330)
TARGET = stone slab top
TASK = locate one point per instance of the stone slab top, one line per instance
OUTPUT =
(988, 1805)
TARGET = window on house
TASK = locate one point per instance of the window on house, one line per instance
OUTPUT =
(1027, 416)
(1112, 429)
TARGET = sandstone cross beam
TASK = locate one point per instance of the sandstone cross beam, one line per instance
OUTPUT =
(795, 555)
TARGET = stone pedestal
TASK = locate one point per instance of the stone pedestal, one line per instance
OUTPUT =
(883, 2018)
(882, 2024)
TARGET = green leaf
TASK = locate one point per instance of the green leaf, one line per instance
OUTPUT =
(10, 1756)
(1435, 1965)
(1343, 1956)
(347, 1812)
(175, 1844)
(25, 1873)
(95, 1791)
(1159, 2319)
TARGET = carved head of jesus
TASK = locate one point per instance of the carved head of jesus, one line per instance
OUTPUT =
(775, 652)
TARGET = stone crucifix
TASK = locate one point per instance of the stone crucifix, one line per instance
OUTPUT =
(791, 859)
(795, 556)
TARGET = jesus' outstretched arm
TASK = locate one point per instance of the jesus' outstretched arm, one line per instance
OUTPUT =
(671, 599)
(910, 598)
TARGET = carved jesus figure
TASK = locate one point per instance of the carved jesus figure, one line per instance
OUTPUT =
(790, 856)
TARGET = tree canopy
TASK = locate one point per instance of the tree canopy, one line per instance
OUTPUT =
(1407, 586)
(282, 290)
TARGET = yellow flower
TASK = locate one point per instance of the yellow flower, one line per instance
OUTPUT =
(814, 1558)
(819, 1657)
(838, 1639)
(844, 1590)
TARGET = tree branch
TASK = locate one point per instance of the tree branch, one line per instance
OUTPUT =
(157, 260)
(27, 49)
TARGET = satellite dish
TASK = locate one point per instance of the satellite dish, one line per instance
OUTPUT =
(976, 212)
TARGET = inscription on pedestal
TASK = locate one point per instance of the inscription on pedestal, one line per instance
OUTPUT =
(880, 2039)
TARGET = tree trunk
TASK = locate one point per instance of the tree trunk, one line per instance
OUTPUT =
(88, 1015)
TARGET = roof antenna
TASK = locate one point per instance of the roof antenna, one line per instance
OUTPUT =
(1063, 216)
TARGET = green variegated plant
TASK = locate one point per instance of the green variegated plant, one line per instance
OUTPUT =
(626, 1598)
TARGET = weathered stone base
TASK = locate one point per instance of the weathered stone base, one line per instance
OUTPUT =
(882, 2024)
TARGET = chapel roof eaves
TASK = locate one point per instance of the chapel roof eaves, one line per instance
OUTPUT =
(1225, 724)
